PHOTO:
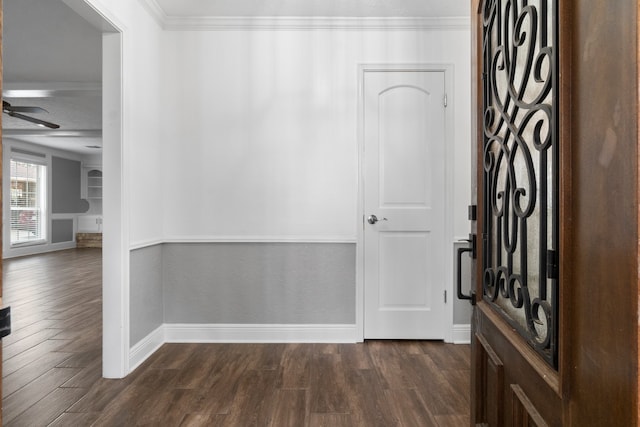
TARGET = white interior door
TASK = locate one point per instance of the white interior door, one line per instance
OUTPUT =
(403, 167)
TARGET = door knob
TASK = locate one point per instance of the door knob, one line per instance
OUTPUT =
(373, 219)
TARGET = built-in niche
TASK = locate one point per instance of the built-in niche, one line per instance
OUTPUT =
(90, 224)
(94, 191)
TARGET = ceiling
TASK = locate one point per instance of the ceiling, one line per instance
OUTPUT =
(310, 8)
(52, 56)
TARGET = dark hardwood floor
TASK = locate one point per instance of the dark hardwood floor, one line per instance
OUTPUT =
(52, 369)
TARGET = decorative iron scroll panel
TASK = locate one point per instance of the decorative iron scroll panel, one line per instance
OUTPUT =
(520, 168)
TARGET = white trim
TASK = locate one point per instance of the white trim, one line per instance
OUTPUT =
(65, 215)
(275, 23)
(260, 239)
(449, 285)
(18, 251)
(461, 334)
(95, 12)
(115, 254)
(145, 244)
(251, 333)
(146, 347)
(155, 11)
(237, 333)
(256, 333)
(360, 207)
(243, 239)
(295, 23)
(449, 166)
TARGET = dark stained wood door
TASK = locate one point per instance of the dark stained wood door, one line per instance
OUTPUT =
(1, 204)
(515, 377)
(555, 326)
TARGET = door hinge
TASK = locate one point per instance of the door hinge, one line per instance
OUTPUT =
(445, 100)
(445, 297)
(5, 322)
(552, 264)
(473, 212)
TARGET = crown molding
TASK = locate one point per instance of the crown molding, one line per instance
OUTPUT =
(156, 12)
(275, 23)
(300, 23)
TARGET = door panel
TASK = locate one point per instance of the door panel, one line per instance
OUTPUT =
(502, 361)
(524, 412)
(596, 379)
(491, 371)
(405, 164)
(515, 381)
(400, 275)
(403, 172)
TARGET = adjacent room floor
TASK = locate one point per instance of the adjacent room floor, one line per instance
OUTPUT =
(52, 369)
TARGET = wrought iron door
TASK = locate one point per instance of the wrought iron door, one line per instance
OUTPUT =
(520, 161)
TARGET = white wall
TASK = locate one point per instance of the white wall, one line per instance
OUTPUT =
(141, 128)
(248, 134)
(261, 137)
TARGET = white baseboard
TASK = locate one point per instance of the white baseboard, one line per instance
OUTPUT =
(237, 333)
(13, 252)
(146, 347)
(259, 333)
(461, 334)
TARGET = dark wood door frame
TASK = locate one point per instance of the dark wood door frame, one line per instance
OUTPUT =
(1, 227)
(599, 362)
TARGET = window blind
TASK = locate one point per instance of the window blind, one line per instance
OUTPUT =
(28, 202)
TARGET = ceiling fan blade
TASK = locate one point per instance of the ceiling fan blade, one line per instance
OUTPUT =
(8, 108)
(26, 109)
(33, 120)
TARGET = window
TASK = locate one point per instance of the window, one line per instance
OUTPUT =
(28, 202)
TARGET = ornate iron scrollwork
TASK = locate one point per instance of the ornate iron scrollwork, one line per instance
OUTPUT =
(520, 167)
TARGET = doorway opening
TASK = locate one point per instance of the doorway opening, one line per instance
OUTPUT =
(102, 97)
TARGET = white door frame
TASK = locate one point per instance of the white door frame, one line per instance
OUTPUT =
(115, 252)
(448, 190)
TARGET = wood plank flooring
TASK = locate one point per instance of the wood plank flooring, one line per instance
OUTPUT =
(52, 369)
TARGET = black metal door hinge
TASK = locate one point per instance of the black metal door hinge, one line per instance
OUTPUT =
(5, 322)
(473, 212)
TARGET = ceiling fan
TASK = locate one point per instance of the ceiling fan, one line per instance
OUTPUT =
(17, 113)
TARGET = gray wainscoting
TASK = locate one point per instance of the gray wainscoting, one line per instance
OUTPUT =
(249, 283)
(61, 230)
(241, 283)
(65, 186)
(259, 283)
(145, 301)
